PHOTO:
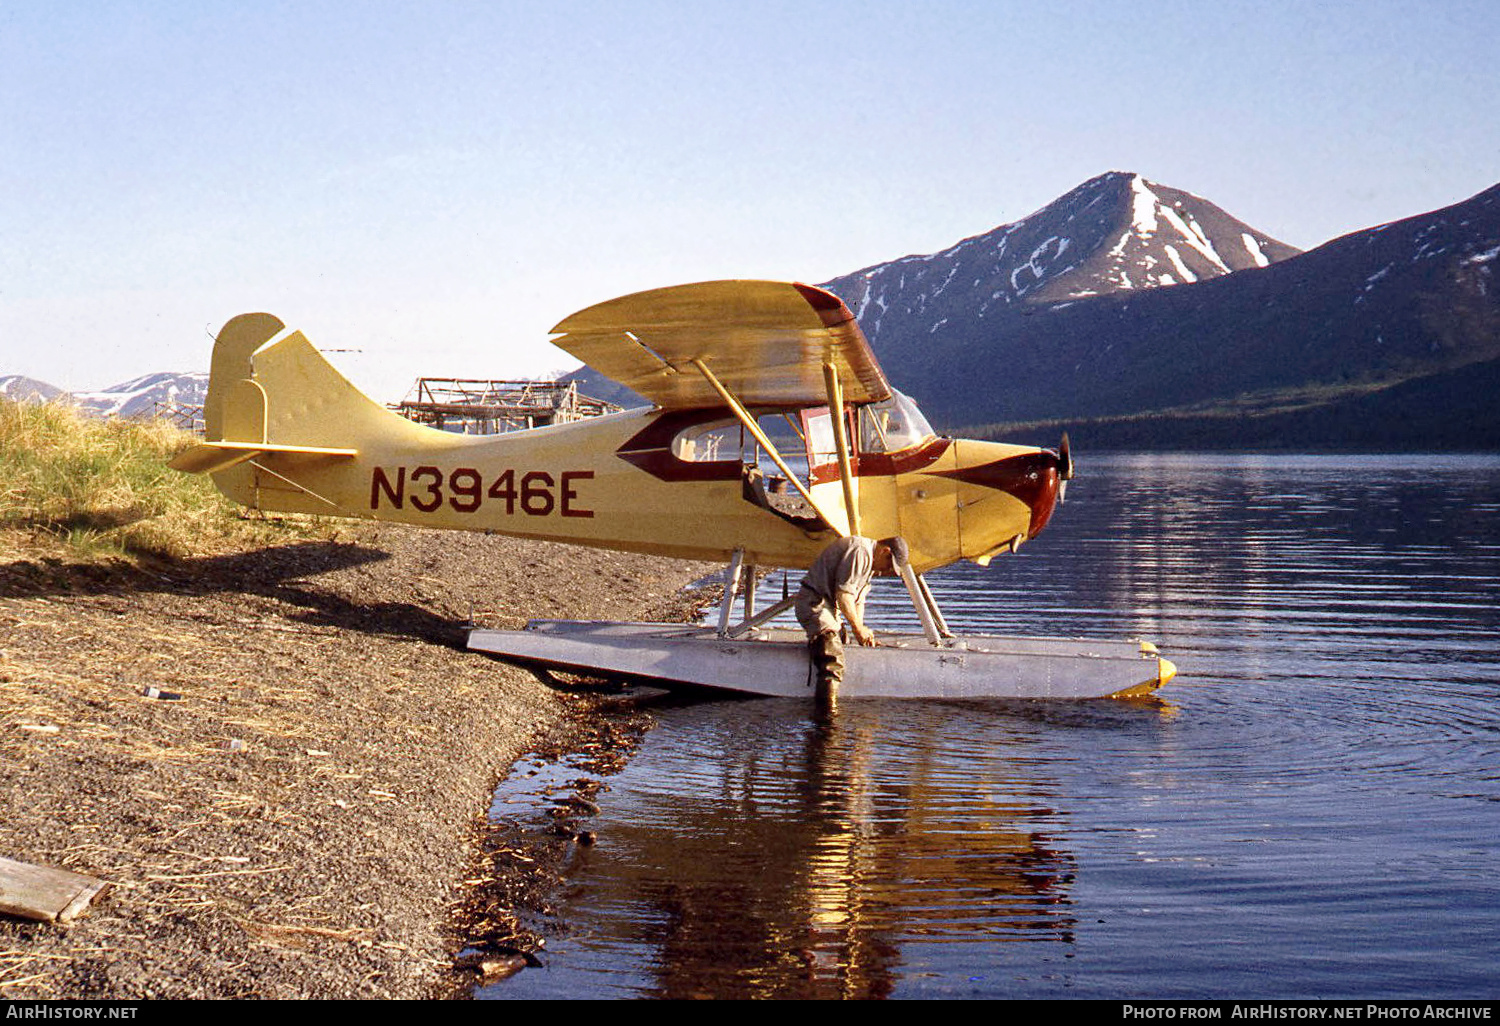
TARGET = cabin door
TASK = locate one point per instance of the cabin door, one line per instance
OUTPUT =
(823, 468)
(927, 505)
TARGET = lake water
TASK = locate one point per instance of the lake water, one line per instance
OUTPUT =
(1314, 811)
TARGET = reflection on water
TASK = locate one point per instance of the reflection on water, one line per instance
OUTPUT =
(1313, 815)
(805, 859)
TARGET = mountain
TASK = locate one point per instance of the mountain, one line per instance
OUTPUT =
(1114, 233)
(140, 397)
(596, 386)
(22, 389)
(1327, 330)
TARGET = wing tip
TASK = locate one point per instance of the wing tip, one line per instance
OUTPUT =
(829, 308)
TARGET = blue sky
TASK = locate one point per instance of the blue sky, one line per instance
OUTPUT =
(431, 186)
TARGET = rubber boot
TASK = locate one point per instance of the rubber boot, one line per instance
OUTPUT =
(828, 658)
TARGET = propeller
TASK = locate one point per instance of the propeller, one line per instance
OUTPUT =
(1064, 468)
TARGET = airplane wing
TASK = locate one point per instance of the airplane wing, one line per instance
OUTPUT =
(766, 341)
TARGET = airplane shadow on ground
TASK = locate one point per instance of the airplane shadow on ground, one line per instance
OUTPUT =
(284, 573)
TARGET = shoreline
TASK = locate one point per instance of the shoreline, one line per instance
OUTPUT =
(300, 823)
(523, 848)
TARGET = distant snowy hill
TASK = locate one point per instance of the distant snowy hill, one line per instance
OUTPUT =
(23, 389)
(1360, 342)
(1114, 233)
(139, 397)
(1141, 316)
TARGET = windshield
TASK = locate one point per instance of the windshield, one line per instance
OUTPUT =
(893, 425)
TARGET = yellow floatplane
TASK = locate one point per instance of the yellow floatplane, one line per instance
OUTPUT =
(732, 367)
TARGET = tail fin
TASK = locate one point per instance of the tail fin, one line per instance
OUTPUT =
(237, 342)
(236, 414)
(276, 404)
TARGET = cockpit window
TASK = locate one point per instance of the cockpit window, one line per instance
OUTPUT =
(893, 425)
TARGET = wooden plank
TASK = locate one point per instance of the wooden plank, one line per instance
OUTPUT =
(43, 893)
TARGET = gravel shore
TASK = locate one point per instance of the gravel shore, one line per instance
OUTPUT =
(297, 822)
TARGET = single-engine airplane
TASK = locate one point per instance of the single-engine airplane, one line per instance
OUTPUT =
(728, 364)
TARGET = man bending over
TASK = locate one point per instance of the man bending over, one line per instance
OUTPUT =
(838, 582)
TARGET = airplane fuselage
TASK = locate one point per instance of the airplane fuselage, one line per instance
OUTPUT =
(287, 432)
(590, 483)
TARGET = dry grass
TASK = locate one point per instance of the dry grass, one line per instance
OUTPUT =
(101, 488)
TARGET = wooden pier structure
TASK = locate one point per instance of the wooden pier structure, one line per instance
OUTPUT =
(474, 406)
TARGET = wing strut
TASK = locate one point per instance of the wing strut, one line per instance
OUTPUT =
(841, 440)
(760, 437)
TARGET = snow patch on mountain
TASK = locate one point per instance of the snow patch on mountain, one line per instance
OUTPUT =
(1181, 267)
(1253, 248)
(1143, 206)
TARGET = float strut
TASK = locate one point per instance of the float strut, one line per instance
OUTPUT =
(731, 586)
(933, 624)
(937, 614)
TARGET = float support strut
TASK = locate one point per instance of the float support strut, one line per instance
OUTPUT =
(731, 588)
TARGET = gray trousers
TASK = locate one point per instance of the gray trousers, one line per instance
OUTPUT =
(820, 620)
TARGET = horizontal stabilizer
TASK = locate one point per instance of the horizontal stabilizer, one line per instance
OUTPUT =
(211, 457)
